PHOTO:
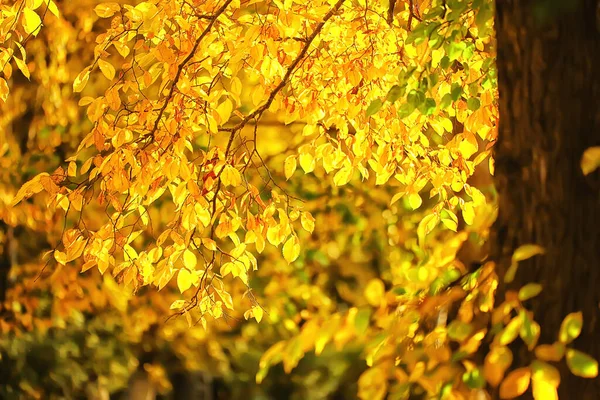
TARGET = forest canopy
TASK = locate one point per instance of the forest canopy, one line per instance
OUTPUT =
(294, 198)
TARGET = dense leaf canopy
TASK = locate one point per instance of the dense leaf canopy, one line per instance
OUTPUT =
(296, 184)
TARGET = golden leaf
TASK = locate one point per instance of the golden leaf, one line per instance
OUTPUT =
(516, 383)
(107, 69)
(31, 22)
(291, 249)
(184, 280)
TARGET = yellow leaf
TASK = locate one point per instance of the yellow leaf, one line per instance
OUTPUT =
(3, 89)
(177, 304)
(307, 162)
(184, 280)
(414, 200)
(543, 390)
(590, 160)
(307, 221)
(343, 175)
(52, 8)
(516, 383)
(30, 188)
(527, 251)
(258, 313)
(189, 259)
(31, 22)
(107, 69)
(22, 67)
(81, 80)
(289, 166)
(291, 249)
(374, 292)
(496, 363)
(544, 372)
(231, 176)
(106, 10)
(60, 257)
(224, 110)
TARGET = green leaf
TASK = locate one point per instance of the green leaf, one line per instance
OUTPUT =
(510, 332)
(361, 321)
(473, 104)
(395, 93)
(446, 101)
(581, 364)
(415, 98)
(456, 49)
(374, 107)
(459, 331)
(570, 328)
(456, 91)
(434, 13)
(474, 379)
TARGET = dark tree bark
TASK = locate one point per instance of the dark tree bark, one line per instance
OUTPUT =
(549, 87)
(5, 261)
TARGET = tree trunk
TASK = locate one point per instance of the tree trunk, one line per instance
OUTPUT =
(549, 87)
(5, 260)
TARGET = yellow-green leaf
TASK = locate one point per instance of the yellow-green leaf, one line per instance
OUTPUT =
(570, 327)
(581, 364)
(177, 304)
(530, 290)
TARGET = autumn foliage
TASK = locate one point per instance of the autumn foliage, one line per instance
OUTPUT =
(257, 185)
